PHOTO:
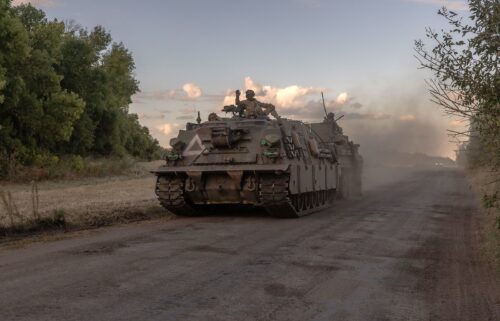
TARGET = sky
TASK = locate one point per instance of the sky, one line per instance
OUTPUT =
(191, 55)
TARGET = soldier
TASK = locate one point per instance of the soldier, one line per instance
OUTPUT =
(252, 107)
(213, 117)
(330, 118)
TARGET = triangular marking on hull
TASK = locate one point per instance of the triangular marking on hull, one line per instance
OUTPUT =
(194, 148)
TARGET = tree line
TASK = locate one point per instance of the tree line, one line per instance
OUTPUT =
(64, 90)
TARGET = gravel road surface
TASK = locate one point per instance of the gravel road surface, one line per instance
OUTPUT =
(406, 251)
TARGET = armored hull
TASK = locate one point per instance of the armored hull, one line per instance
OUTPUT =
(283, 166)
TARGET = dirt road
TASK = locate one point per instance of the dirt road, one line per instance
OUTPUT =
(406, 251)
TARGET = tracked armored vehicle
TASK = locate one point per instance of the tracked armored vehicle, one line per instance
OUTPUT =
(347, 154)
(285, 166)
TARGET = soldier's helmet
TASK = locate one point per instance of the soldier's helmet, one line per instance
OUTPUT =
(250, 93)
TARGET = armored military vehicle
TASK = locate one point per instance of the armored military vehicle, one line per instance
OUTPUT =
(285, 166)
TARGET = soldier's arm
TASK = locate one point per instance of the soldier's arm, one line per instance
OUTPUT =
(229, 108)
(266, 105)
(270, 109)
(237, 101)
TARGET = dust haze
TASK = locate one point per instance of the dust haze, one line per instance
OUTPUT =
(400, 131)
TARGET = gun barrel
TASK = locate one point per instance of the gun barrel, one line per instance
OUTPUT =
(324, 106)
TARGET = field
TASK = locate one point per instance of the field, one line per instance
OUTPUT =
(80, 203)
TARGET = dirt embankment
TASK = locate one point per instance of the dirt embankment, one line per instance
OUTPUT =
(83, 202)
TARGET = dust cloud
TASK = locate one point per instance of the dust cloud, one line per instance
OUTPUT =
(400, 132)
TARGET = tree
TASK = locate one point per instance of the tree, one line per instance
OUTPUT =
(102, 74)
(14, 49)
(64, 90)
(465, 64)
(32, 114)
(39, 112)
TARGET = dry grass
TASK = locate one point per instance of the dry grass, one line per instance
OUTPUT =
(73, 167)
(88, 202)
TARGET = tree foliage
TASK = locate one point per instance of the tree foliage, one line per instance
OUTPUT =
(465, 64)
(64, 90)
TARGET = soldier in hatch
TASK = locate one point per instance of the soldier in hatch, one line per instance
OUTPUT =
(330, 118)
(213, 117)
(252, 107)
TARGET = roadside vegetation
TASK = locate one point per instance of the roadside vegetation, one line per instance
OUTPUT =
(18, 222)
(64, 97)
(466, 83)
(81, 203)
(71, 167)
(481, 183)
(465, 64)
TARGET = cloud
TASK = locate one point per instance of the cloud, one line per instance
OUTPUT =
(189, 92)
(167, 128)
(408, 117)
(192, 91)
(250, 84)
(290, 97)
(342, 98)
(298, 102)
(36, 3)
(168, 94)
(450, 4)
(149, 116)
(185, 117)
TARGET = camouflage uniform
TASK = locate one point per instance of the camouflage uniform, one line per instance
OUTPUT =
(253, 107)
(213, 117)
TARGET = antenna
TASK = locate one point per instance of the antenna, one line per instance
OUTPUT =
(324, 106)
